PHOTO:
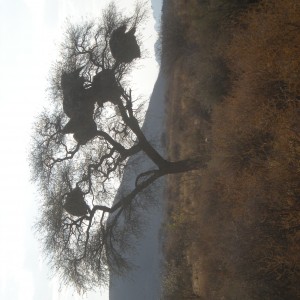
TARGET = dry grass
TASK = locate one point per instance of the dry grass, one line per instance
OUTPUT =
(233, 229)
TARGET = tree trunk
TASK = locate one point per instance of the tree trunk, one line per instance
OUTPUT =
(182, 166)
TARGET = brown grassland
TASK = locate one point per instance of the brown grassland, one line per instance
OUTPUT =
(232, 230)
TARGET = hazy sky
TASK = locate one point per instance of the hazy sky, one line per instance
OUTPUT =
(30, 31)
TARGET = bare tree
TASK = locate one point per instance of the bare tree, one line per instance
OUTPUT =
(82, 232)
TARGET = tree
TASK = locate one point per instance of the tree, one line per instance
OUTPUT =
(84, 236)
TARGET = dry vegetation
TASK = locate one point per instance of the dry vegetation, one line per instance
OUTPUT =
(233, 229)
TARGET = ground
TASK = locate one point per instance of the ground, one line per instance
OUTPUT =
(233, 228)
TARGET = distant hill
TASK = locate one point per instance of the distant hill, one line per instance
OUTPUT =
(157, 6)
(144, 281)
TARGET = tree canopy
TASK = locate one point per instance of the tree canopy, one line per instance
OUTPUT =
(80, 148)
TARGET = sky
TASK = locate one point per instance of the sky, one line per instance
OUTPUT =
(30, 32)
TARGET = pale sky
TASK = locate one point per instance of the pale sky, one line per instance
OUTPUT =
(30, 31)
